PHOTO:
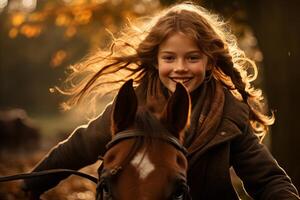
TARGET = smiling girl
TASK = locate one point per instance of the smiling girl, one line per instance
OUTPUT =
(184, 43)
(180, 60)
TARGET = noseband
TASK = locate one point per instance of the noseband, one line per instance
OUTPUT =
(103, 191)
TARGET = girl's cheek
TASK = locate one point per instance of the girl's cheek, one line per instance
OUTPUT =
(198, 69)
(164, 69)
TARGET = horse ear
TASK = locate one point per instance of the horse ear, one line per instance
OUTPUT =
(176, 113)
(124, 107)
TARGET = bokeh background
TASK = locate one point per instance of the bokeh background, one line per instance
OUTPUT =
(39, 39)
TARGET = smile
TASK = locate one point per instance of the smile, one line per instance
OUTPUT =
(182, 80)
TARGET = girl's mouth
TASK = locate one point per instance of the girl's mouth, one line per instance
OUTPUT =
(182, 80)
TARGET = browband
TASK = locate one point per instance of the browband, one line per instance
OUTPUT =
(127, 134)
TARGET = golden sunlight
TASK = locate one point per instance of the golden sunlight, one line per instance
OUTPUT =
(13, 33)
(58, 58)
(31, 30)
(17, 19)
(62, 20)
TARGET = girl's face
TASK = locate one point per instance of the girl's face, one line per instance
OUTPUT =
(180, 60)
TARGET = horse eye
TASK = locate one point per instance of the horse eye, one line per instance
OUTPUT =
(178, 194)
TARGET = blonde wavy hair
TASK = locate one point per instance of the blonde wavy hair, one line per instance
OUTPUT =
(133, 55)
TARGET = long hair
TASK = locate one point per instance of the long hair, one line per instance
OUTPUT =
(133, 55)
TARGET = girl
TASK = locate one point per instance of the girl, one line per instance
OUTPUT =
(186, 44)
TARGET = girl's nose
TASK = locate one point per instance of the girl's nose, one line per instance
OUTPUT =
(180, 66)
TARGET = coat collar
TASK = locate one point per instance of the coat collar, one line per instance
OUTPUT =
(234, 122)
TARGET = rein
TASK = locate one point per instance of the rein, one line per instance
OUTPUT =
(48, 172)
(123, 135)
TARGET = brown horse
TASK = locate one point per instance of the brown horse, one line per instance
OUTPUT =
(145, 160)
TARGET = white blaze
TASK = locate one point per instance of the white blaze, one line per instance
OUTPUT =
(143, 164)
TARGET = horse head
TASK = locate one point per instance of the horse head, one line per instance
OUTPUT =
(146, 158)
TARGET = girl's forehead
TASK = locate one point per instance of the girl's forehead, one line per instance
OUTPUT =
(179, 40)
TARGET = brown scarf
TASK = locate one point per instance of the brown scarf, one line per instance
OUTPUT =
(208, 102)
(206, 115)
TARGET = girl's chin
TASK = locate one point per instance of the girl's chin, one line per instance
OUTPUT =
(187, 86)
(172, 88)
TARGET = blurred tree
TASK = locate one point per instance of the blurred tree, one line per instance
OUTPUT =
(276, 27)
(39, 38)
(278, 31)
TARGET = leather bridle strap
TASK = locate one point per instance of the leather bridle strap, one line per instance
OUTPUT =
(139, 133)
(48, 172)
(117, 138)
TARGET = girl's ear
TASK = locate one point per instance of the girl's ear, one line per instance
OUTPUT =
(176, 114)
(124, 108)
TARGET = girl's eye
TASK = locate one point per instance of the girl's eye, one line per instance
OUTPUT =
(194, 58)
(168, 58)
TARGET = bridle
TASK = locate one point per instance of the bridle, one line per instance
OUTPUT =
(105, 175)
(103, 191)
(127, 134)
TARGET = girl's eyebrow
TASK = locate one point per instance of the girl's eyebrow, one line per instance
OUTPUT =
(189, 52)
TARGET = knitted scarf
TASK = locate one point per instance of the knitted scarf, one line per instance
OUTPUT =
(208, 102)
(207, 109)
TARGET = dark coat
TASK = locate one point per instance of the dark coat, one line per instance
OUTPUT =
(234, 144)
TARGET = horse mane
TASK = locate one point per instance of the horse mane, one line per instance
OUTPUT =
(148, 122)
(151, 126)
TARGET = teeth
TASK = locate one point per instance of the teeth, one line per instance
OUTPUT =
(181, 80)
